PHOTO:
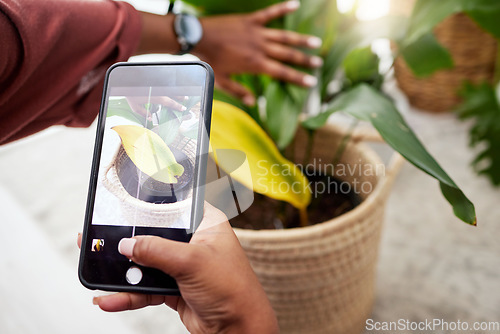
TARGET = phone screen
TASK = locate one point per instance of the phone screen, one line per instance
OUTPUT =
(149, 161)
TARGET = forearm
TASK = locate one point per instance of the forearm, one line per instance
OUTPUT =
(53, 58)
(265, 325)
(252, 311)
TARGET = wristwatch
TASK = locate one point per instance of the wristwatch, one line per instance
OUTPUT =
(188, 29)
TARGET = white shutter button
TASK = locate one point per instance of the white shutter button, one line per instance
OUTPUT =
(133, 275)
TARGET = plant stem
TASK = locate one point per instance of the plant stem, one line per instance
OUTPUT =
(343, 143)
(496, 78)
(309, 148)
(281, 213)
(304, 220)
(291, 150)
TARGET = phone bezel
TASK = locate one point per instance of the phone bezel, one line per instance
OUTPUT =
(199, 172)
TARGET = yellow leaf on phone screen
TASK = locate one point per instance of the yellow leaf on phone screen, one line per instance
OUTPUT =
(149, 153)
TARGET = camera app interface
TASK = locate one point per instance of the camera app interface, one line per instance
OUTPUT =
(152, 120)
(148, 157)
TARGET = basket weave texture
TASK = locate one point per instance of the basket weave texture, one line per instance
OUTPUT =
(138, 212)
(320, 278)
(474, 54)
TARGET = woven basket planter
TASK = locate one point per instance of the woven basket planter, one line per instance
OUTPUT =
(320, 279)
(138, 212)
(474, 54)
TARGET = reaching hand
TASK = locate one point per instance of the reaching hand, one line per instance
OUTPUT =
(137, 103)
(220, 292)
(235, 44)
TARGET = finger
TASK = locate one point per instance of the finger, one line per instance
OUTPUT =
(237, 90)
(272, 12)
(79, 240)
(123, 301)
(135, 104)
(282, 72)
(292, 38)
(292, 56)
(181, 98)
(168, 102)
(172, 257)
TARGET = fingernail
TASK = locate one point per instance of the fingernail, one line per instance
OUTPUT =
(126, 246)
(95, 300)
(293, 4)
(309, 81)
(316, 61)
(314, 42)
(183, 108)
(249, 100)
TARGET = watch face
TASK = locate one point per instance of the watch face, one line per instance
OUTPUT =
(190, 28)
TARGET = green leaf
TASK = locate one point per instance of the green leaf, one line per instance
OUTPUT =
(282, 114)
(427, 14)
(485, 13)
(191, 102)
(120, 107)
(224, 97)
(480, 104)
(361, 65)
(316, 17)
(149, 153)
(422, 52)
(426, 55)
(315, 122)
(270, 172)
(168, 125)
(214, 7)
(191, 132)
(360, 35)
(365, 103)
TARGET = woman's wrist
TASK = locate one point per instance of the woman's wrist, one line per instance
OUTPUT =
(254, 314)
(253, 323)
(157, 35)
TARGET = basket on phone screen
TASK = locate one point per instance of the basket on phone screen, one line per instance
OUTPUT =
(147, 202)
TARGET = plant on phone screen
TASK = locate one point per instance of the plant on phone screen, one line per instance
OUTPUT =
(149, 153)
(147, 143)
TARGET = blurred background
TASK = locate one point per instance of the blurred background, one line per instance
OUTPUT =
(431, 266)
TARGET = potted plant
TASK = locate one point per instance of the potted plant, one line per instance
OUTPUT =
(448, 61)
(447, 43)
(151, 172)
(320, 276)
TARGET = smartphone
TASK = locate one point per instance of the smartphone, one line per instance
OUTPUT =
(148, 169)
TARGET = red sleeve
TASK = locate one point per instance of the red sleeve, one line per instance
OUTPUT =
(53, 56)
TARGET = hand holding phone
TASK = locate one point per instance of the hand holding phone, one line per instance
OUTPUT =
(220, 292)
(148, 170)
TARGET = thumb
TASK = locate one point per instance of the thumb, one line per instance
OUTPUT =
(172, 257)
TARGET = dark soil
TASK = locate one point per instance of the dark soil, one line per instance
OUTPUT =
(266, 213)
(153, 191)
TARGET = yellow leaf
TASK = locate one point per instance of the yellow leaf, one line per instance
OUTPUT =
(271, 174)
(149, 153)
